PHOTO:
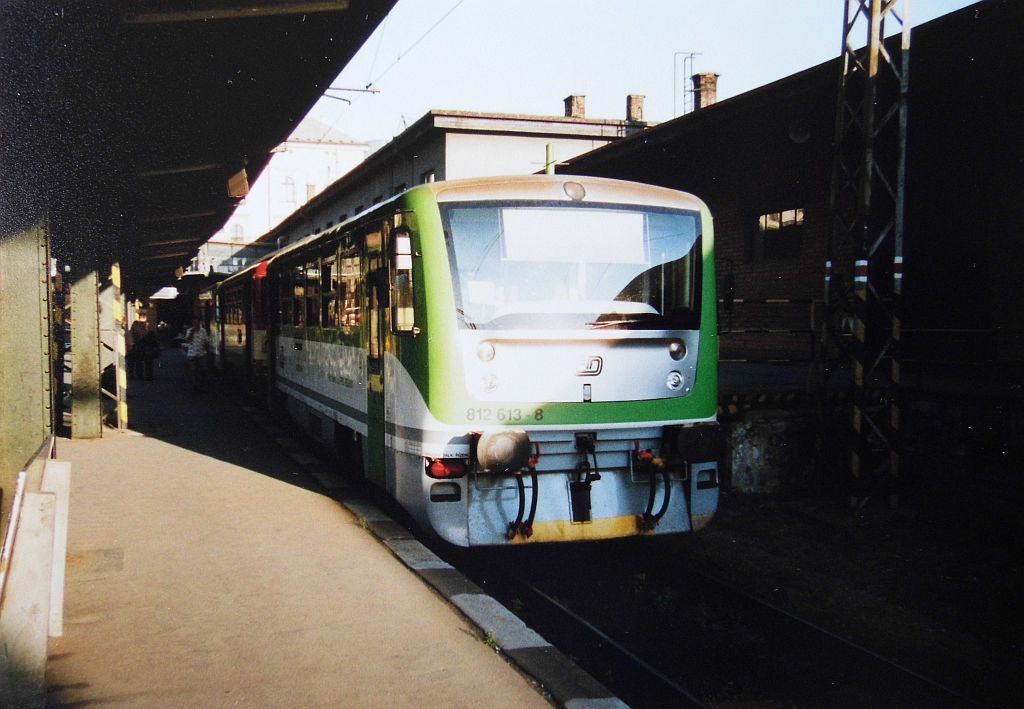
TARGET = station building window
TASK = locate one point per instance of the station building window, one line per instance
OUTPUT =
(777, 235)
(288, 190)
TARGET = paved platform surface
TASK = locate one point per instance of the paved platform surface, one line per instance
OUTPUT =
(207, 568)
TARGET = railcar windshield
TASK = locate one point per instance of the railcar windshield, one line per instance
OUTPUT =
(530, 265)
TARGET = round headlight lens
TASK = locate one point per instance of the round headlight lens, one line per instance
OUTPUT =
(485, 351)
(574, 191)
(677, 349)
(674, 381)
(503, 451)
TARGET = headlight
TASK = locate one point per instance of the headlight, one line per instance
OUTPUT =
(503, 451)
(676, 349)
(485, 351)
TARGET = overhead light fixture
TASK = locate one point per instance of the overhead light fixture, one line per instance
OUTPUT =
(201, 14)
(238, 185)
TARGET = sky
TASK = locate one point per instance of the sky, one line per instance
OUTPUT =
(526, 56)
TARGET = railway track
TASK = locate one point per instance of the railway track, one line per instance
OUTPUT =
(674, 637)
(660, 633)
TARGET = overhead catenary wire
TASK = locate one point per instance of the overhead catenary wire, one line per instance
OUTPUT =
(415, 44)
(372, 82)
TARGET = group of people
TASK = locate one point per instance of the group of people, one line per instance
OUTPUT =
(143, 349)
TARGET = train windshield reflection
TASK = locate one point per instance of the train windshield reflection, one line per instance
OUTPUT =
(528, 266)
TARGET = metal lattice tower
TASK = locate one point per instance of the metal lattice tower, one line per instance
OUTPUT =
(866, 239)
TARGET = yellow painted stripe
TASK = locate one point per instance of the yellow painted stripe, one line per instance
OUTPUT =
(565, 531)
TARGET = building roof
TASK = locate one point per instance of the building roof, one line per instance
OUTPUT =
(317, 132)
(446, 120)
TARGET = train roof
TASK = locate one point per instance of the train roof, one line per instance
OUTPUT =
(510, 187)
(555, 188)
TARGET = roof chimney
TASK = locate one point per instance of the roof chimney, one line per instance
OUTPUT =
(635, 108)
(705, 89)
(575, 106)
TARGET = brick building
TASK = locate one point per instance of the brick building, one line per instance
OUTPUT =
(762, 161)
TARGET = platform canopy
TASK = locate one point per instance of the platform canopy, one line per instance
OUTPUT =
(134, 126)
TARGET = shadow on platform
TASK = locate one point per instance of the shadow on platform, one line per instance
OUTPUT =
(217, 422)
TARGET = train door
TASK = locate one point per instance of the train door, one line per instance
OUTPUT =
(375, 319)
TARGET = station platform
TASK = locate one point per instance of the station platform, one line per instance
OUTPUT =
(213, 562)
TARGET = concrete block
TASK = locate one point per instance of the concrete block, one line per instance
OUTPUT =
(509, 632)
(414, 555)
(57, 480)
(25, 610)
(768, 450)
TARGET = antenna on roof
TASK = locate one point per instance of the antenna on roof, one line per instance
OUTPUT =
(687, 71)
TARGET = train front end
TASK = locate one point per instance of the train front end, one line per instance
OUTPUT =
(572, 362)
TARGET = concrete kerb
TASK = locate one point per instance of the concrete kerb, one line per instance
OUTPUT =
(557, 674)
(535, 657)
(32, 578)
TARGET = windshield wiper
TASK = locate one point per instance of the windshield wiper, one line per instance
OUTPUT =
(618, 322)
(461, 315)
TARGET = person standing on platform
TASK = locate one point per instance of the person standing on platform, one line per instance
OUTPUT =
(197, 344)
(149, 352)
(133, 356)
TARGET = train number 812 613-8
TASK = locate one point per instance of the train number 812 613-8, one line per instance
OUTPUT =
(485, 414)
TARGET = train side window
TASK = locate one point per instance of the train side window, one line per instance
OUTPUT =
(299, 291)
(313, 294)
(350, 290)
(403, 316)
(329, 283)
(375, 292)
(286, 297)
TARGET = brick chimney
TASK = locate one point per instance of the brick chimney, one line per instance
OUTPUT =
(635, 108)
(705, 89)
(575, 106)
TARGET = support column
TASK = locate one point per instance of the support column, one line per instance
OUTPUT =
(867, 203)
(86, 412)
(112, 352)
(26, 383)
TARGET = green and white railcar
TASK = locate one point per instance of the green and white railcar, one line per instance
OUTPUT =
(515, 359)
